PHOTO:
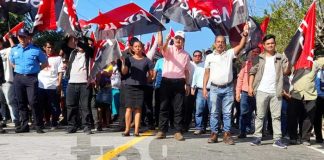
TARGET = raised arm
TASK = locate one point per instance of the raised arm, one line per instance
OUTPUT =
(241, 45)
(163, 46)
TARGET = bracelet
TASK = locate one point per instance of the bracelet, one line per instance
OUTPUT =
(245, 34)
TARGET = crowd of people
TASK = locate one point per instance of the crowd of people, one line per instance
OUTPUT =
(51, 88)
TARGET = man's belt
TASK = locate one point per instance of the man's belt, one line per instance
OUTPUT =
(221, 86)
(34, 74)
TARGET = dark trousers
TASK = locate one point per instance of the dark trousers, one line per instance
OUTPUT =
(77, 101)
(49, 101)
(189, 109)
(157, 106)
(318, 118)
(301, 113)
(147, 109)
(172, 92)
(26, 88)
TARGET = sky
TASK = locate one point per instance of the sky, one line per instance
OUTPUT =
(88, 9)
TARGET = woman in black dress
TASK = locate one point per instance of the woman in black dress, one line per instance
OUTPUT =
(138, 71)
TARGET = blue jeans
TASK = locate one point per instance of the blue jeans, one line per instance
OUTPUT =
(221, 102)
(201, 115)
(284, 122)
(247, 105)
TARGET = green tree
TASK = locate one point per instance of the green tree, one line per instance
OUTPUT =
(13, 21)
(286, 17)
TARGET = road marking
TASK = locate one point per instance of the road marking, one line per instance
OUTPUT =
(116, 151)
(316, 149)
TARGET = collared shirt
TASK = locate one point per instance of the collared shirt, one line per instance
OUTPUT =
(221, 67)
(27, 60)
(243, 78)
(175, 63)
(48, 77)
(304, 88)
(8, 73)
(198, 76)
(158, 69)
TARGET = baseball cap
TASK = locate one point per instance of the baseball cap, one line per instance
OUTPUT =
(180, 33)
(23, 32)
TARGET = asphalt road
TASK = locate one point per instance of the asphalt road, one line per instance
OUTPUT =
(57, 145)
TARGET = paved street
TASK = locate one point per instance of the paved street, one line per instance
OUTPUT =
(55, 145)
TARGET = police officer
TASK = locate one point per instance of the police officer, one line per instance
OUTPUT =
(27, 61)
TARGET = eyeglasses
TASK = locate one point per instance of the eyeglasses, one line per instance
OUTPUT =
(197, 55)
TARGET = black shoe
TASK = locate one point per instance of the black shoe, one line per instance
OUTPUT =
(87, 130)
(39, 130)
(242, 135)
(319, 140)
(22, 130)
(99, 129)
(3, 125)
(72, 130)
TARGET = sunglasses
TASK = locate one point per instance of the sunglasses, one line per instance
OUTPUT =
(197, 55)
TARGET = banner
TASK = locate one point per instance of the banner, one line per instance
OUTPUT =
(126, 20)
(300, 50)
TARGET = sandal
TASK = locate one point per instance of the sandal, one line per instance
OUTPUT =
(125, 134)
(136, 135)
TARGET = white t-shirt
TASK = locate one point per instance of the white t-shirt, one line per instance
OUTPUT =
(268, 81)
(78, 72)
(48, 77)
(221, 67)
(8, 70)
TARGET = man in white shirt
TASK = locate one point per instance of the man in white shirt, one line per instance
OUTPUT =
(218, 69)
(7, 87)
(266, 82)
(79, 89)
(201, 114)
(49, 84)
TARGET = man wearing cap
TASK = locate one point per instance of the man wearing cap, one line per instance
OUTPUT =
(27, 61)
(218, 69)
(174, 84)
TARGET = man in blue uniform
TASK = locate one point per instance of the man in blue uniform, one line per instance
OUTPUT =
(27, 61)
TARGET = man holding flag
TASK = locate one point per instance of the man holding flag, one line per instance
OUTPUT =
(218, 69)
(300, 52)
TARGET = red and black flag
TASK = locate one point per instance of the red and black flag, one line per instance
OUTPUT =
(180, 12)
(157, 9)
(14, 31)
(46, 16)
(106, 52)
(300, 50)
(239, 14)
(68, 19)
(126, 20)
(264, 27)
(254, 38)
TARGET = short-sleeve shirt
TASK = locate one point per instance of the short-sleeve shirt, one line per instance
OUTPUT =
(48, 77)
(176, 61)
(137, 70)
(221, 67)
(158, 68)
(27, 60)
